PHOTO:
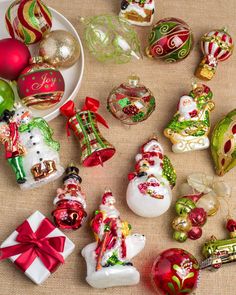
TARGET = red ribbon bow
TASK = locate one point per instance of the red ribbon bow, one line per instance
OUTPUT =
(91, 104)
(32, 245)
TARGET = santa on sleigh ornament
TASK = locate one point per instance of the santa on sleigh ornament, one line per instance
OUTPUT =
(149, 190)
(190, 126)
(108, 259)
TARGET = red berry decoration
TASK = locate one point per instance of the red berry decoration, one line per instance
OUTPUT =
(175, 272)
(40, 85)
(195, 233)
(14, 57)
(198, 217)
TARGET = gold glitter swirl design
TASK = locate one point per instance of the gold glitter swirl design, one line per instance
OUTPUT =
(182, 53)
(152, 36)
(158, 49)
(164, 29)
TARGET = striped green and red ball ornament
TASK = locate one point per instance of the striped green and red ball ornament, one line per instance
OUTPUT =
(171, 39)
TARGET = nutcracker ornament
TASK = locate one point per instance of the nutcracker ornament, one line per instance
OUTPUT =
(138, 12)
(111, 38)
(41, 161)
(149, 189)
(108, 259)
(28, 20)
(190, 126)
(131, 102)
(199, 200)
(40, 85)
(223, 144)
(14, 151)
(171, 39)
(175, 272)
(218, 252)
(95, 148)
(216, 46)
(70, 202)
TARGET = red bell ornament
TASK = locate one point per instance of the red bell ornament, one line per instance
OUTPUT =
(70, 202)
(216, 46)
(40, 85)
(175, 272)
(95, 148)
(28, 20)
(14, 57)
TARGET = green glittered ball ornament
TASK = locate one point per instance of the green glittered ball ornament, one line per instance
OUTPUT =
(171, 39)
(180, 236)
(111, 38)
(183, 206)
(7, 96)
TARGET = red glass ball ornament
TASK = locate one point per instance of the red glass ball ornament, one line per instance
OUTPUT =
(175, 272)
(198, 217)
(195, 233)
(40, 85)
(14, 57)
(69, 215)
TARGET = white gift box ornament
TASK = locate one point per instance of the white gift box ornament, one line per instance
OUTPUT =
(108, 259)
(37, 247)
(149, 189)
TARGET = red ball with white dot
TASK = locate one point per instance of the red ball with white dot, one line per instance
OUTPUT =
(198, 216)
(40, 85)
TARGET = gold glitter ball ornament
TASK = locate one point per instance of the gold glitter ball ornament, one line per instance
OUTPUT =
(60, 49)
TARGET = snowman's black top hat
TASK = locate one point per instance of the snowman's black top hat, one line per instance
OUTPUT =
(72, 172)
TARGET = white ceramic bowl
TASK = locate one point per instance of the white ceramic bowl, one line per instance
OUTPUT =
(73, 75)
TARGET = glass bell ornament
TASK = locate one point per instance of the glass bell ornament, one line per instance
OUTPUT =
(175, 272)
(111, 38)
(95, 148)
(170, 39)
(223, 144)
(28, 20)
(70, 203)
(131, 102)
(216, 46)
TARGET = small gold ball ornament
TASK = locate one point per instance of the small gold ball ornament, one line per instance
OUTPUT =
(59, 48)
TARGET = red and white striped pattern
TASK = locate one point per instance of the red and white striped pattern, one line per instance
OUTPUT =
(212, 47)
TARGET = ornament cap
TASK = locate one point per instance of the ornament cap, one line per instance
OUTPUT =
(133, 80)
(36, 60)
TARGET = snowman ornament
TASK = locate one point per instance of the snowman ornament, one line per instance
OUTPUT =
(149, 189)
(41, 160)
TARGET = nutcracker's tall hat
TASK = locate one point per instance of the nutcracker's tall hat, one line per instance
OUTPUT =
(95, 148)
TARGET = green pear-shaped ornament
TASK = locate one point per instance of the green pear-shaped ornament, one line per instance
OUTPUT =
(223, 144)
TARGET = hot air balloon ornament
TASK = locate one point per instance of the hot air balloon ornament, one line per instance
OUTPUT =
(216, 46)
(223, 144)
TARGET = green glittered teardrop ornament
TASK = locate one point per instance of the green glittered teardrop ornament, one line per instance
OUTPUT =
(223, 144)
(111, 38)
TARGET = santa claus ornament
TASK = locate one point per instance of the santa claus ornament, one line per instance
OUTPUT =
(171, 39)
(70, 202)
(149, 190)
(33, 153)
(216, 46)
(199, 199)
(28, 20)
(219, 252)
(131, 102)
(95, 148)
(109, 258)
(175, 272)
(40, 85)
(223, 144)
(190, 126)
(138, 12)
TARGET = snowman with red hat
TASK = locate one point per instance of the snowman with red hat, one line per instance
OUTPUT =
(149, 190)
